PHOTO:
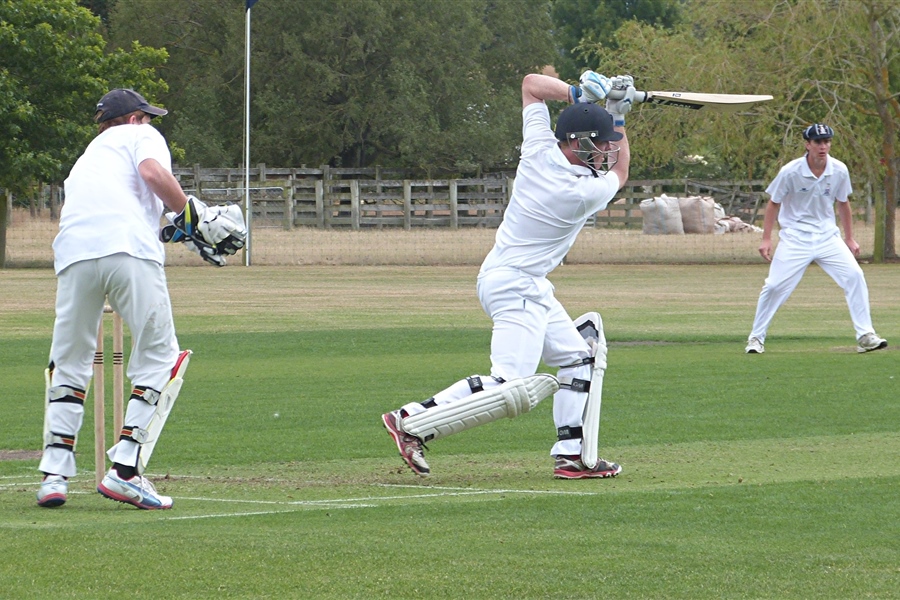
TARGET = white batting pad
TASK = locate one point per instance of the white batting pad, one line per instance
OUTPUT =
(62, 422)
(590, 325)
(507, 400)
(167, 398)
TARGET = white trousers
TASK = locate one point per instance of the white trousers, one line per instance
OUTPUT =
(530, 325)
(794, 253)
(138, 291)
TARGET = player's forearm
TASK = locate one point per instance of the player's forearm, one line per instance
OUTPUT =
(769, 220)
(538, 88)
(846, 217)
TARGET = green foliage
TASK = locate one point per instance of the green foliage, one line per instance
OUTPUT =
(355, 83)
(594, 23)
(99, 7)
(52, 73)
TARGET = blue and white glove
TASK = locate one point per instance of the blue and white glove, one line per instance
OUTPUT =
(594, 88)
(621, 98)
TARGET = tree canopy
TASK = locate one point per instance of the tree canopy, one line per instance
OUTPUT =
(53, 70)
(434, 85)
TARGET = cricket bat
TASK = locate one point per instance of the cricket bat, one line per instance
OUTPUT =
(695, 101)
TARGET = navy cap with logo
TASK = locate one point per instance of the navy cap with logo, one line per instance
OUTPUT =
(819, 131)
(120, 102)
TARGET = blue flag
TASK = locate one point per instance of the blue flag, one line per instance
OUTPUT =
(250, 3)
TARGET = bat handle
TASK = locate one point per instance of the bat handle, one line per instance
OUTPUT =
(619, 93)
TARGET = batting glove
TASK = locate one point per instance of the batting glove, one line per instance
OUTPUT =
(620, 107)
(594, 88)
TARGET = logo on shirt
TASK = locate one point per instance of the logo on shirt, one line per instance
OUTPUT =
(827, 191)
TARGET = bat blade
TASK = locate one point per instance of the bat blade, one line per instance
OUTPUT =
(698, 101)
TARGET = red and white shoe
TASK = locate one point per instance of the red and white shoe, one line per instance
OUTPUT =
(571, 467)
(411, 448)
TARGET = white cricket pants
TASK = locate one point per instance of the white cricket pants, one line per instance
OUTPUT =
(529, 325)
(794, 253)
(138, 291)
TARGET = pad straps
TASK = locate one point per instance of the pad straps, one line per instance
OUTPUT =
(569, 433)
(64, 394)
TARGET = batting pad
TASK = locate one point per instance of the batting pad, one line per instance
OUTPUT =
(507, 400)
(164, 405)
(590, 326)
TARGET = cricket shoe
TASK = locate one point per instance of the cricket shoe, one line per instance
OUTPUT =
(869, 342)
(137, 491)
(411, 448)
(754, 346)
(571, 467)
(53, 491)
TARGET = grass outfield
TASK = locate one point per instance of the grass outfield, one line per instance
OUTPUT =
(769, 476)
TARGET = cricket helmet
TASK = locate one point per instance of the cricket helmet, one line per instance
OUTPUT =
(589, 123)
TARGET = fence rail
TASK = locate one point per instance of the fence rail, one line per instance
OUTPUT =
(355, 199)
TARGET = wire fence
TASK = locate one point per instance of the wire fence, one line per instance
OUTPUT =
(374, 217)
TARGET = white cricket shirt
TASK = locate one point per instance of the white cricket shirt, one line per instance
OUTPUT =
(108, 207)
(550, 203)
(807, 201)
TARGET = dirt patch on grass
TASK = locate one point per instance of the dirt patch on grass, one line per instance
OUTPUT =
(19, 455)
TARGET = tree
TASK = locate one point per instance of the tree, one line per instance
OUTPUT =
(99, 7)
(53, 69)
(352, 83)
(835, 61)
(593, 23)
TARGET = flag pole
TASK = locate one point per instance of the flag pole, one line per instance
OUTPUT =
(248, 206)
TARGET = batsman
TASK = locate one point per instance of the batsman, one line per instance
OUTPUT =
(564, 177)
(110, 246)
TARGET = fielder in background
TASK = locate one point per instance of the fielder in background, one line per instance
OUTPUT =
(802, 198)
(562, 179)
(110, 246)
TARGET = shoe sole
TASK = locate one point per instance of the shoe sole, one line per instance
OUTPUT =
(108, 493)
(396, 437)
(585, 474)
(880, 346)
(753, 352)
(52, 500)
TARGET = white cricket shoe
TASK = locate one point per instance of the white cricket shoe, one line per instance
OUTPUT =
(53, 491)
(138, 491)
(754, 346)
(869, 342)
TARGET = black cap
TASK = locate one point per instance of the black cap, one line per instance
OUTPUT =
(587, 118)
(819, 131)
(120, 102)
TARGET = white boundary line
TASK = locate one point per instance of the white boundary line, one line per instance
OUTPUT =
(364, 501)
